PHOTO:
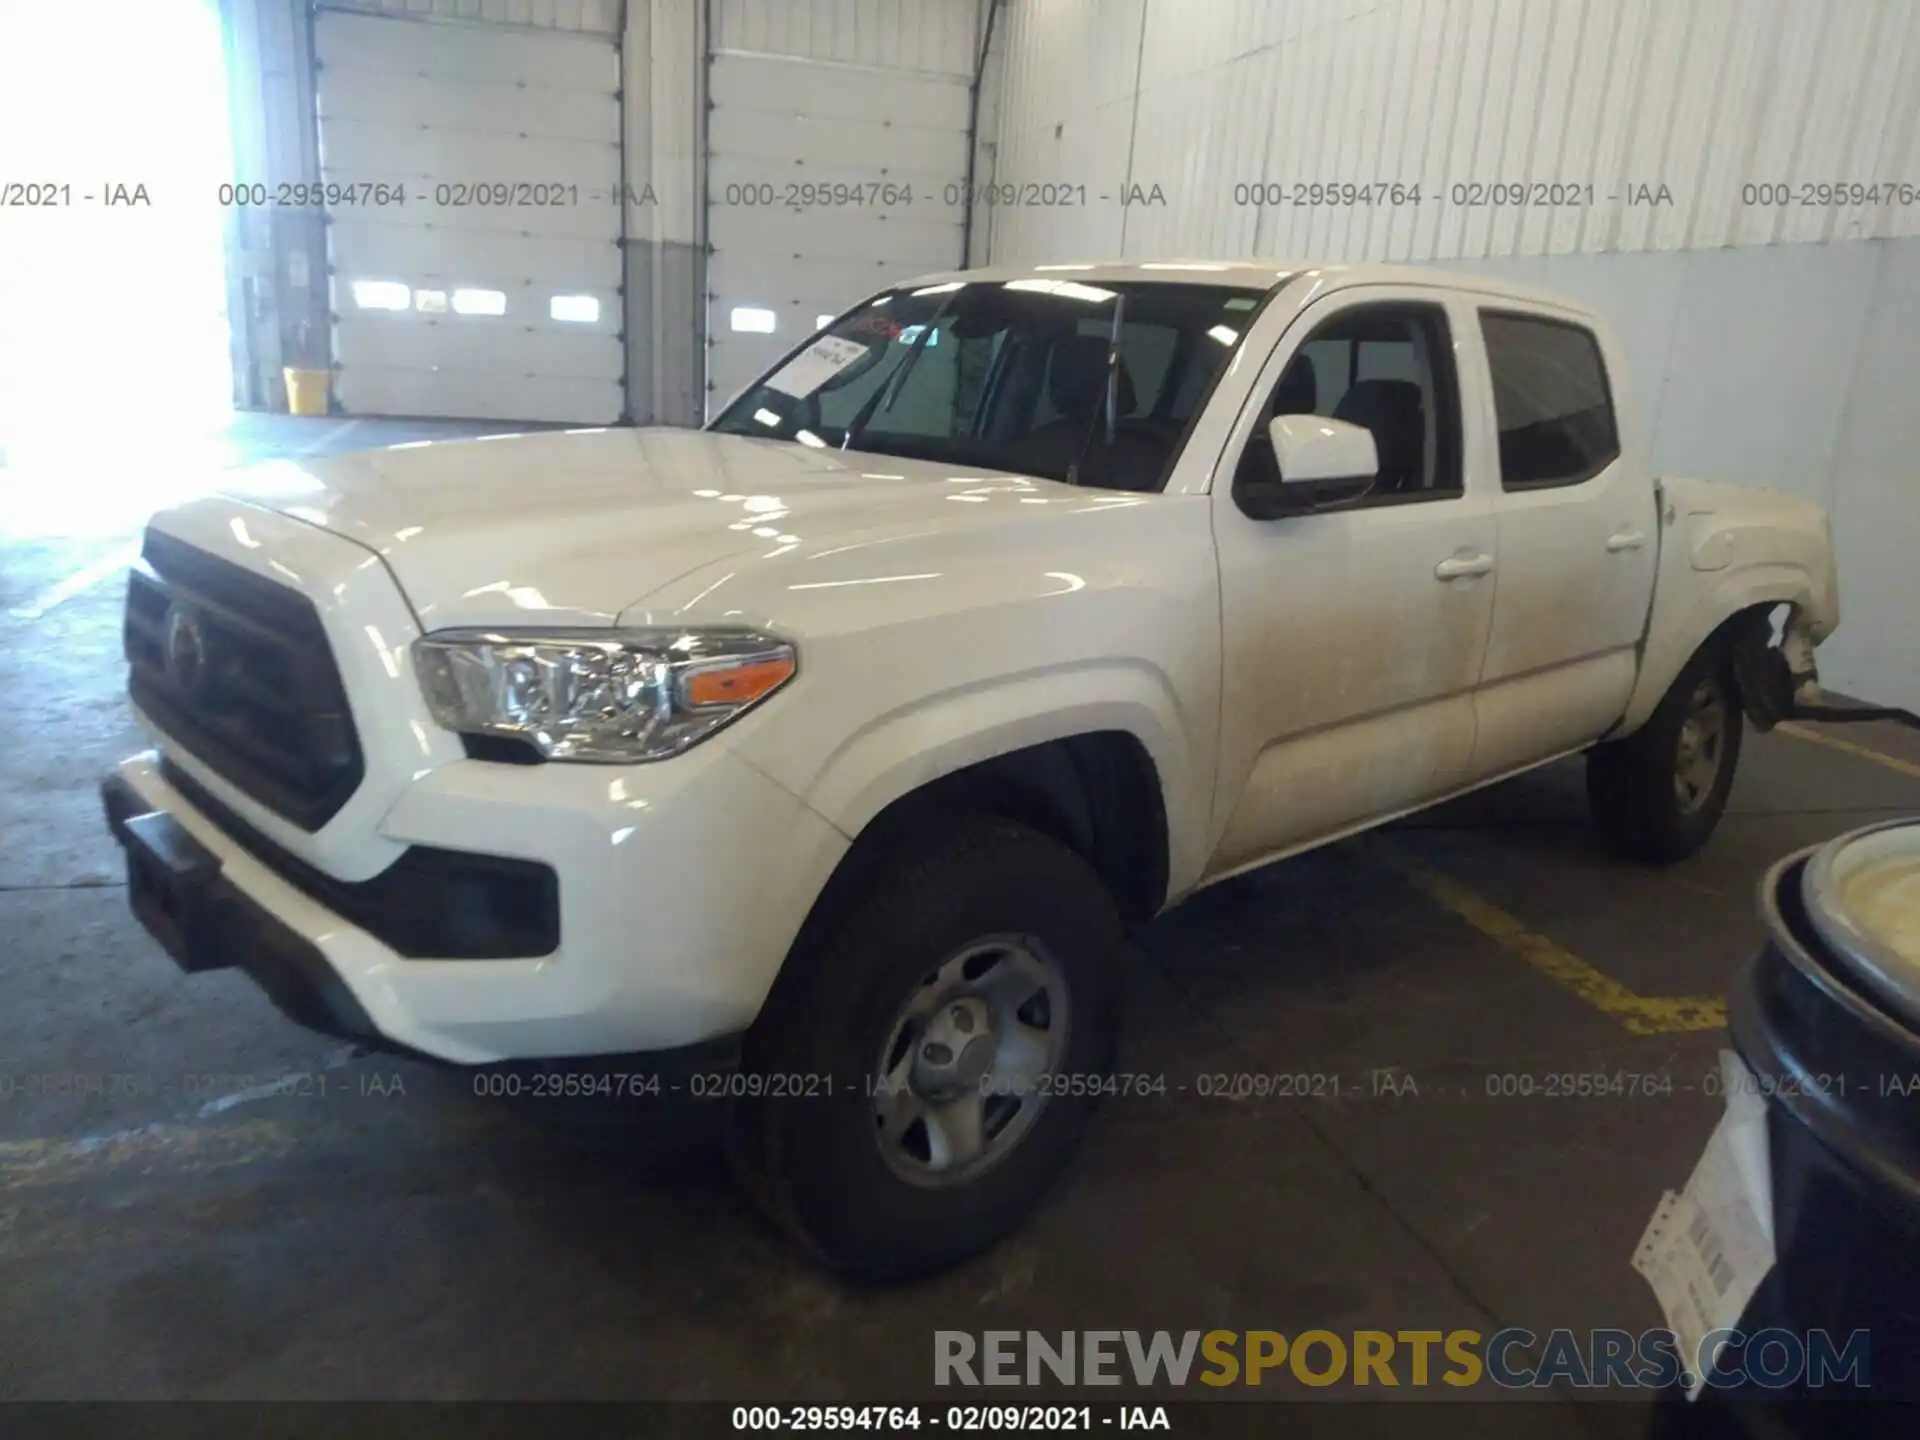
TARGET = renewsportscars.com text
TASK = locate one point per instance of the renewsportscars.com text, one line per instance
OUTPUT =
(1513, 1358)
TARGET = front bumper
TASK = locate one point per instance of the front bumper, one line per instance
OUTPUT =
(681, 889)
(178, 891)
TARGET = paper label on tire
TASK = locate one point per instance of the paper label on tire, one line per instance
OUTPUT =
(1707, 1248)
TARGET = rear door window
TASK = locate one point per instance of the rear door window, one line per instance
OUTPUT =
(1552, 401)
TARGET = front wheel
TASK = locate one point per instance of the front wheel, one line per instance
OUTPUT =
(1658, 794)
(926, 1052)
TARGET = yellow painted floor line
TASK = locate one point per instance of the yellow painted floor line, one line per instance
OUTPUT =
(1639, 1014)
(1834, 742)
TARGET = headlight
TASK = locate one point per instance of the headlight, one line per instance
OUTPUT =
(613, 696)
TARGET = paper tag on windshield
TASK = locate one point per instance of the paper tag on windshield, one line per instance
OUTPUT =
(1706, 1249)
(815, 365)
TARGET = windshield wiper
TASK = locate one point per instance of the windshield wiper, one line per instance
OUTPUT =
(1109, 407)
(882, 399)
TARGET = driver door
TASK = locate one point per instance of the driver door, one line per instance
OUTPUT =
(1353, 637)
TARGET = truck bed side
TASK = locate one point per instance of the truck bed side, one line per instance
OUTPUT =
(1725, 549)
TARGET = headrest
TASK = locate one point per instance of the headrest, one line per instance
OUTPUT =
(1395, 412)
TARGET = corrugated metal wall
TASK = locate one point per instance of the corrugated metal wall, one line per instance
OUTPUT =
(600, 17)
(1610, 99)
(932, 35)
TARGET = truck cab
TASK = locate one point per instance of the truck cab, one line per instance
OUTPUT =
(1506, 549)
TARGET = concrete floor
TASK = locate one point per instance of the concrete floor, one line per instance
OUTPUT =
(167, 1230)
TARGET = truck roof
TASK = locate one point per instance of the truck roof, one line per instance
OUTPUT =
(1256, 275)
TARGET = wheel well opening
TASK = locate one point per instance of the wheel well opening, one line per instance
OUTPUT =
(1750, 641)
(1098, 794)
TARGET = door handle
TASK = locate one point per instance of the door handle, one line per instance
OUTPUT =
(1626, 540)
(1460, 568)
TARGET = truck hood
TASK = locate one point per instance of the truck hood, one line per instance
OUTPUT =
(572, 527)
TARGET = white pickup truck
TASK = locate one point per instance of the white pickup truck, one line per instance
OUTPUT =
(822, 758)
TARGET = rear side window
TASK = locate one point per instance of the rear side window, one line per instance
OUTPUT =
(1550, 395)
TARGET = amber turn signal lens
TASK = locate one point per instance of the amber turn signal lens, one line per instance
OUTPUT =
(737, 684)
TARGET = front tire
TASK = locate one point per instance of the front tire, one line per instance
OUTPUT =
(1658, 794)
(917, 1053)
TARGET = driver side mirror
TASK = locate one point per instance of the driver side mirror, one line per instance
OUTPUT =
(1321, 463)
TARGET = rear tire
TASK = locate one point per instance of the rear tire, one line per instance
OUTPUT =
(984, 958)
(1658, 794)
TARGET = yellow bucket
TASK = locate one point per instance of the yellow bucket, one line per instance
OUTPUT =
(306, 391)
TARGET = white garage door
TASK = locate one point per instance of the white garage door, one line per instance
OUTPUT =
(810, 163)
(493, 289)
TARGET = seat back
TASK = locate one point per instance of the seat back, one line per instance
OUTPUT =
(1394, 411)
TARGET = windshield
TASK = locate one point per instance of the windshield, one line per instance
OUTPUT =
(1009, 375)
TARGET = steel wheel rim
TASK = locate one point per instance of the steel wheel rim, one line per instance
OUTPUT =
(962, 1075)
(1702, 748)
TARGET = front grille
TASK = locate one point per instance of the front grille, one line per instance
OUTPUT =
(238, 670)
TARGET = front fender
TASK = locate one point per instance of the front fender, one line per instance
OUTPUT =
(899, 752)
(929, 647)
